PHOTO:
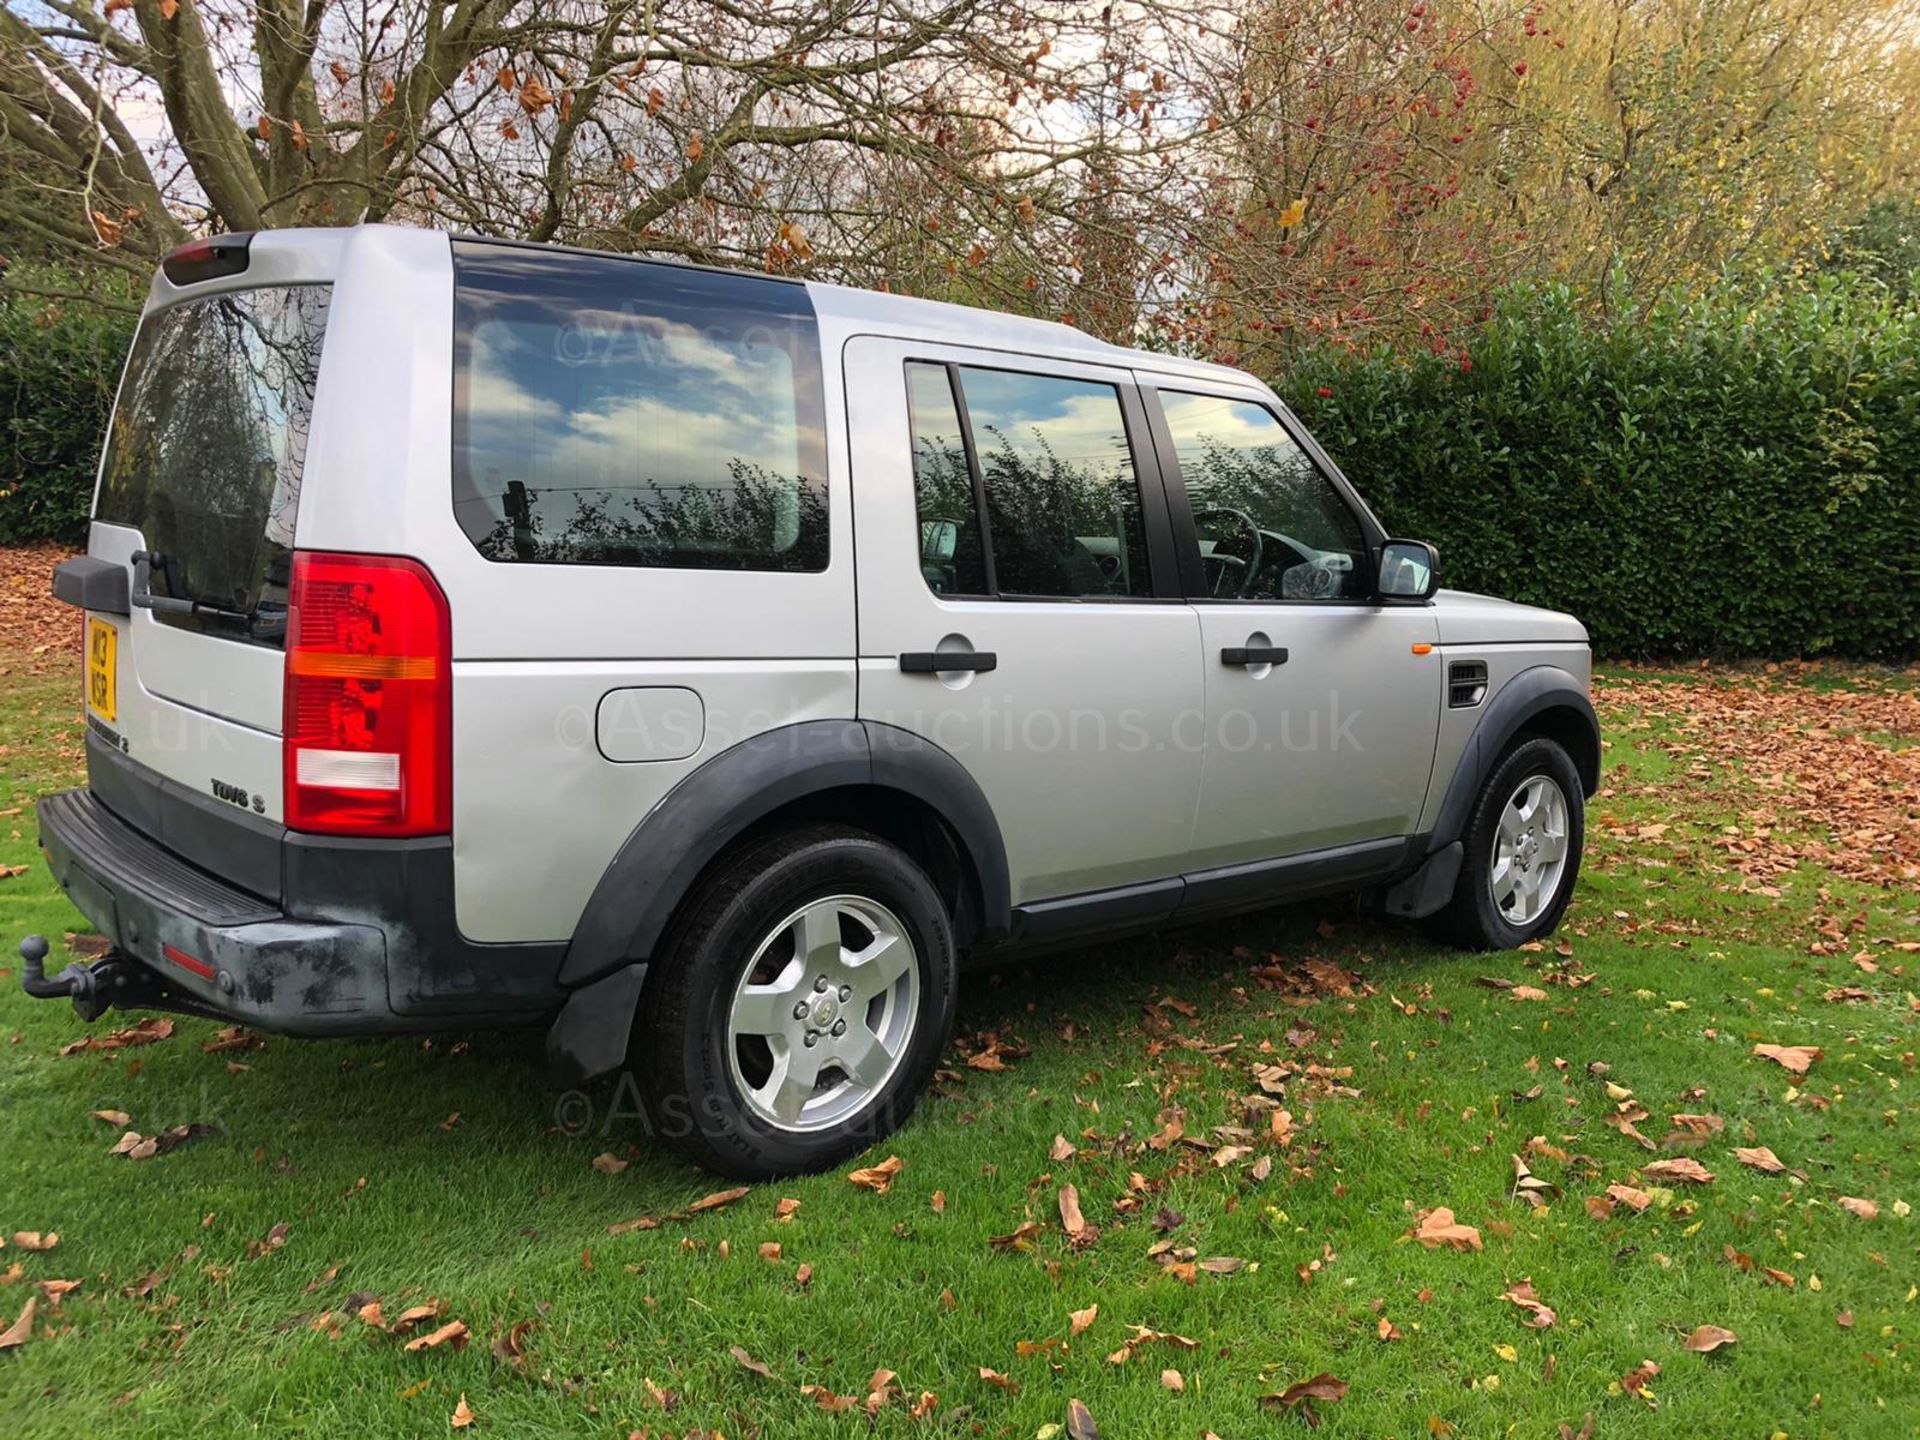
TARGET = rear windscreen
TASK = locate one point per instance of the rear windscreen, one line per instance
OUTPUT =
(205, 450)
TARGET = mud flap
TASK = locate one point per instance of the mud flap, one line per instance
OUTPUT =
(590, 1036)
(1429, 888)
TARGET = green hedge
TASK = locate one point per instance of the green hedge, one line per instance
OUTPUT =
(1717, 476)
(58, 369)
(1721, 475)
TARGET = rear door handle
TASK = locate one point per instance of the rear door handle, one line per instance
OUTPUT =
(1254, 655)
(929, 662)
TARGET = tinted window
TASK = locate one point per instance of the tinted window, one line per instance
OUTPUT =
(620, 412)
(951, 555)
(206, 446)
(1271, 526)
(1062, 497)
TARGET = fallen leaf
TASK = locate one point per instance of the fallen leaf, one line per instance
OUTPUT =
(454, 1333)
(1323, 1387)
(1079, 1320)
(1526, 992)
(1438, 1227)
(233, 1037)
(1637, 1379)
(1021, 1237)
(1635, 1199)
(1172, 1380)
(34, 1240)
(994, 1377)
(409, 1317)
(1684, 1168)
(747, 1362)
(1080, 1424)
(878, 1178)
(608, 1163)
(147, 1032)
(1865, 1209)
(54, 1291)
(17, 1334)
(1759, 1157)
(276, 1237)
(1071, 1219)
(784, 1209)
(1539, 1316)
(511, 1348)
(114, 1117)
(463, 1415)
(717, 1199)
(1707, 1338)
(1796, 1058)
(1063, 1150)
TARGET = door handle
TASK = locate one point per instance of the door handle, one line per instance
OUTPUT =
(1254, 655)
(929, 662)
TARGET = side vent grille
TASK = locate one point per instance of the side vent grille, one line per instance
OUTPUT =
(1466, 684)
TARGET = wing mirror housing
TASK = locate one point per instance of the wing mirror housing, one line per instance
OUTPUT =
(1409, 570)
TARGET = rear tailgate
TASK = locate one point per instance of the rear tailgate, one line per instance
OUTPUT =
(201, 477)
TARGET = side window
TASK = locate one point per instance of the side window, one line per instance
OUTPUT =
(1062, 497)
(951, 555)
(1271, 526)
(620, 412)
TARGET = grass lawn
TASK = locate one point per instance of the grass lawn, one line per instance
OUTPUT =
(1750, 879)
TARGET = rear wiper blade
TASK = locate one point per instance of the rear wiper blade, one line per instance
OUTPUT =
(143, 597)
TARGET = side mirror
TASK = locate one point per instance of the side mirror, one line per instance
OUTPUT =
(1409, 570)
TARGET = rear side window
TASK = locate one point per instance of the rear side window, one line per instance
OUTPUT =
(621, 412)
(205, 451)
(1045, 461)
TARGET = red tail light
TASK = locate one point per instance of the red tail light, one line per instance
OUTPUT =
(369, 698)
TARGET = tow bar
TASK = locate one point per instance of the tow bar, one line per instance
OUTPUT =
(90, 987)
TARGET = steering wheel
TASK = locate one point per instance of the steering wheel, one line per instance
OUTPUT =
(1235, 573)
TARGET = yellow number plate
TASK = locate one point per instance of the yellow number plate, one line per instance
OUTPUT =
(102, 639)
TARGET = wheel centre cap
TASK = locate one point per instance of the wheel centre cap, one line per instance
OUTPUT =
(825, 1012)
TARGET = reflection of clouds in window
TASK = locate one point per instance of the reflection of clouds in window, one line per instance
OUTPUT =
(680, 426)
(615, 425)
(1074, 422)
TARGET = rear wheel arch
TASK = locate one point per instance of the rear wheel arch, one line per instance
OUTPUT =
(888, 782)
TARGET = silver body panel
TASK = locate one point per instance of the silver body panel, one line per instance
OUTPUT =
(1106, 740)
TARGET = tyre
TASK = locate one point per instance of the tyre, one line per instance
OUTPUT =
(1521, 851)
(799, 1007)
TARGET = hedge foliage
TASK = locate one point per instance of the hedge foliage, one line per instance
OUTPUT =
(1721, 475)
(58, 369)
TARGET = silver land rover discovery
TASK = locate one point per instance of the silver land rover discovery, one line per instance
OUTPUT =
(697, 663)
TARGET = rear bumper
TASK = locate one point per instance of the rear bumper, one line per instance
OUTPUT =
(209, 947)
(358, 938)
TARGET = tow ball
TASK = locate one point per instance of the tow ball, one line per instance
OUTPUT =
(88, 987)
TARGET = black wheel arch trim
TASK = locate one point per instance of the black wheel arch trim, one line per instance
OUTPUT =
(1524, 698)
(661, 860)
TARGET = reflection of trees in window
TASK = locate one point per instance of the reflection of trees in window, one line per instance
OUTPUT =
(1275, 484)
(760, 520)
(205, 451)
(1044, 508)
